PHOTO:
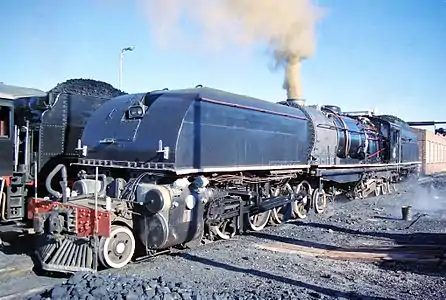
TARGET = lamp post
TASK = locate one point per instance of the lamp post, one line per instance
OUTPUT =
(121, 58)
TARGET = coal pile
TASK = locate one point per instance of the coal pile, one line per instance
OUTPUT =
(101, 286)
(87, 87)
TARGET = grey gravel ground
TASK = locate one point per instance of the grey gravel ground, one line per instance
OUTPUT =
(240, 268)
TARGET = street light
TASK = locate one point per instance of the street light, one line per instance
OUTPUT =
(121, 57)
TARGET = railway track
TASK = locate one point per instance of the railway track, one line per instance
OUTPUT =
(8, 271)
(402, 253)
(19, 271)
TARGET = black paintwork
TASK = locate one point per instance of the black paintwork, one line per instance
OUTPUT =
(57, 123)
(408, 139)
(212, 130)
(339, 139)
(7, 142)
(204, 128)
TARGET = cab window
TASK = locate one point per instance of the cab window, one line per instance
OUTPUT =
(5, 118)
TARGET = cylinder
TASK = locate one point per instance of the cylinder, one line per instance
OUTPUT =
(406, 212)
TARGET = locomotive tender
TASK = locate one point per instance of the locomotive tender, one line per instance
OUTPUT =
(175, 167)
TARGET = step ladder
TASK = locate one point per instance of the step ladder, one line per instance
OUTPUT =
(15, 197)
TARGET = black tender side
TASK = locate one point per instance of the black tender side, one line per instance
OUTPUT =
(206, 130)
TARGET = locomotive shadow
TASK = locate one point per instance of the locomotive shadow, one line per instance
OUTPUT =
(417, 238)
(297, 283)
(15, 243)
(401, 239)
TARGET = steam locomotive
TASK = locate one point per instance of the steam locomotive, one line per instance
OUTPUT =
(172, 168)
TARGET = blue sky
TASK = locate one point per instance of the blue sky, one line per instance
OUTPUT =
(384, 54)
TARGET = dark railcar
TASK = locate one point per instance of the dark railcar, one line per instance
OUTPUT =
(43, 132)
(403, 140)
(6, 134)
(50, 127)
(8, 97)
(204, 130)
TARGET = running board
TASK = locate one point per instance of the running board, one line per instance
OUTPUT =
(66, 255)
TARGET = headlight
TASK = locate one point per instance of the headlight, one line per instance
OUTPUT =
(135, 112)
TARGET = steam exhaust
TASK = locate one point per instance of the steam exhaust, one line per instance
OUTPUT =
(285, 27)
(292, 83)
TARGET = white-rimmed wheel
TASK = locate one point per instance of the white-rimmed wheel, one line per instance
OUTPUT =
(117, 250)
(283, 213)
(258, 221)
(224, 230)
(377, 190)
(300, 207)
(319, 201)
(386, 188)
(394, 186)
(299, 210)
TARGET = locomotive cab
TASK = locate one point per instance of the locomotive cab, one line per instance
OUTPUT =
(6, 141)
(13, 161)
(6, 146)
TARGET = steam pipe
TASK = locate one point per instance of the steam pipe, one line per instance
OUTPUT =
(63, 183)
(27, 148)
(16, 147)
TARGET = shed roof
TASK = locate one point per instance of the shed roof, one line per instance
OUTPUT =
(12, 92)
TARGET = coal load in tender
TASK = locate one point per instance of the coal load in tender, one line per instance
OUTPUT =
(94, 286)
(87, 87)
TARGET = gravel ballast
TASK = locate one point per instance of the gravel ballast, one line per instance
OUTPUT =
(108, 286)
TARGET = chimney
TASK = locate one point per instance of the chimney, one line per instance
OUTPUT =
(297, 101)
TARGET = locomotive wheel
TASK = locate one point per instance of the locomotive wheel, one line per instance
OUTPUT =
(225, 230)
(319, 201)
(300, 208)
(117, 250)
(279, 214)
(384, 188)
(389, 188)
(377, 190)
(259, 221)
(394, 186)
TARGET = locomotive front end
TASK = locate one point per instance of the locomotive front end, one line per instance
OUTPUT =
(65, 233)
